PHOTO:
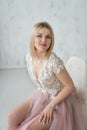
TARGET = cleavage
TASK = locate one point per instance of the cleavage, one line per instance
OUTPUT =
(37, 68)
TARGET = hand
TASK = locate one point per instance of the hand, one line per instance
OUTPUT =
(47, 115)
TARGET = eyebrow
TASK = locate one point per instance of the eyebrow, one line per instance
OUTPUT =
(41, 34)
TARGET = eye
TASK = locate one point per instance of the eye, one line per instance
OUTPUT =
(48, 37)
(38, 35)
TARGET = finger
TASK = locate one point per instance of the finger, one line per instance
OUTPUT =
(44, 118)
(50, 118)
(41, 117)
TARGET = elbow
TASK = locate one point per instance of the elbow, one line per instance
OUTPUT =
(72, 88)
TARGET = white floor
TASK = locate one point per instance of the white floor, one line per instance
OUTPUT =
(15, 87)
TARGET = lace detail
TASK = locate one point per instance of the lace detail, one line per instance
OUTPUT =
(47, 79)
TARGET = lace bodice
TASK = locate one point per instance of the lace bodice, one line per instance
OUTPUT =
(46, 79)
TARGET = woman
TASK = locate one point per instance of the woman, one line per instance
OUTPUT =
(54, 105)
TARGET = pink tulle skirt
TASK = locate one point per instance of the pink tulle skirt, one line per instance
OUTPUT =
(70, 114)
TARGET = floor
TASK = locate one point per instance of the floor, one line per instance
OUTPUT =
(15, 87)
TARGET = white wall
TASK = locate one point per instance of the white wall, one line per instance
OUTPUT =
(17, 17)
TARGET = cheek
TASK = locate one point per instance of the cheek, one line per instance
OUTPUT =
(49, 44)
(35, 42)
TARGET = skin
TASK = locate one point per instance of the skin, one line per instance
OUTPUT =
(42, 43)
(42, 40)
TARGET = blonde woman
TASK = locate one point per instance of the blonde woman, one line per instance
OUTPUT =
(54, 105)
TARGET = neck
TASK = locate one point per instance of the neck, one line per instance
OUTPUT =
(40, 55)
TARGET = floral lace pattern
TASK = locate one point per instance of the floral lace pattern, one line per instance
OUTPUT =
(47, 81)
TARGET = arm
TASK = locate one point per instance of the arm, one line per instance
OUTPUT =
(65, 78)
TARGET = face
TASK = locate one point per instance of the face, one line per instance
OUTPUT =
(42, 40)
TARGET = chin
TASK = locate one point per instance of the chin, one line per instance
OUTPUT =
(41, 50)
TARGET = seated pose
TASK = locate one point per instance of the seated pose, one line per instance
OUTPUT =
(54, 104)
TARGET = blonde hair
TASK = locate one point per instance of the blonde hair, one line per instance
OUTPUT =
(36, 28)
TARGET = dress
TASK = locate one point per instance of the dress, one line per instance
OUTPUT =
(70, 114)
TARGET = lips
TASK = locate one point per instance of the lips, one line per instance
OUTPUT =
(42, 45)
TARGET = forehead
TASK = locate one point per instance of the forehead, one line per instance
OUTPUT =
(44, 31)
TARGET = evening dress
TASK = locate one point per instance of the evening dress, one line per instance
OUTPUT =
(69, 114)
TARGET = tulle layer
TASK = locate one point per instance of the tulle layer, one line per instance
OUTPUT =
(70, 114)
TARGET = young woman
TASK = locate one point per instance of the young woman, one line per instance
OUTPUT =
(54, 105)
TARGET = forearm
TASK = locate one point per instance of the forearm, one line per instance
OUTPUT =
(65, 92)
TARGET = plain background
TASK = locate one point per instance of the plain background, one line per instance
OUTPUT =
(17, 17)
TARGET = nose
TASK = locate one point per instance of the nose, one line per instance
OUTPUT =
(43, 39)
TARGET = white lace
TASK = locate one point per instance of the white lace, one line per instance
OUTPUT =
(47, 80)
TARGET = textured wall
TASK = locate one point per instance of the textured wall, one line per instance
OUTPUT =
(67, 17)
